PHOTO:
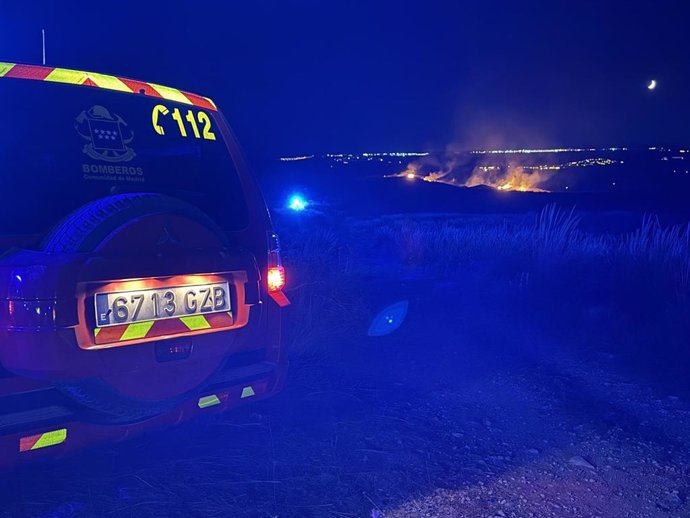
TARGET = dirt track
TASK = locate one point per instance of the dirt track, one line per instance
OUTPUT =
(460, 419)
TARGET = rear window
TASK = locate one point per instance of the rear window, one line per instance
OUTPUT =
(62, 146)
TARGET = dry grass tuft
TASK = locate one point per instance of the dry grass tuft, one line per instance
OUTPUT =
(546, 256)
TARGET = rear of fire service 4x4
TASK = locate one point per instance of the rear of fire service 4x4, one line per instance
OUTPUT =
(140, 279)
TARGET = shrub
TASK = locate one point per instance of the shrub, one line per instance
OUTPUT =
(546, 257)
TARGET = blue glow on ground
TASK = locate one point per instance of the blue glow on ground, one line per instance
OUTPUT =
(389, 319)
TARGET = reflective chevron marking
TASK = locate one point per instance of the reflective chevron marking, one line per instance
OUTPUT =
(43, 440)
(195, 322)
(166, 327)
(207, 401)
(247, 392)
(107, 82)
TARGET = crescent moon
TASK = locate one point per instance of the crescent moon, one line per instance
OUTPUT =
(652, 84)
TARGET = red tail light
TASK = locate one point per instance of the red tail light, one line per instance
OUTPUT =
(275, 276)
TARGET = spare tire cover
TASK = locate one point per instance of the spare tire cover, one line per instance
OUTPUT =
(138, 385)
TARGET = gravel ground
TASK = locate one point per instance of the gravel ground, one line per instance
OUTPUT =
(463, 419)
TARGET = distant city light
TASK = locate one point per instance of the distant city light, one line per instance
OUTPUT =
(390, 157)
(528, 151)
(588, 162)
(297, 203)
(541, 167)
(295, 158)
(396, 157)
(410, 176)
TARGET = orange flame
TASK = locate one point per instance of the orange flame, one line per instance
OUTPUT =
(513, 178)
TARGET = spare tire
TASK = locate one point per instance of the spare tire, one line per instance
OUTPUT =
(88, 227)
(101, 227)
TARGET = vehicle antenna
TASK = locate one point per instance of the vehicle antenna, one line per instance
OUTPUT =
(43, 38)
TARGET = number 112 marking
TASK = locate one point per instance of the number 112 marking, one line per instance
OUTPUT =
(201, 117)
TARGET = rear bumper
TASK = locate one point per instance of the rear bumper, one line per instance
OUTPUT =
(54, 431)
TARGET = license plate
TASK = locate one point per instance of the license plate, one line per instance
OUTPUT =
(126, 307)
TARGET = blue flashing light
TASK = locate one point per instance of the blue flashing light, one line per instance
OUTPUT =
(297, 203)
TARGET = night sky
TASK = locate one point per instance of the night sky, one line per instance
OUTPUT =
(313, 76)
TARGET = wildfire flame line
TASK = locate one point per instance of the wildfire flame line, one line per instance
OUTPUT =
(510, 178)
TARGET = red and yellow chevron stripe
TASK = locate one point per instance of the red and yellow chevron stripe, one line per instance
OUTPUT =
(43, 440)
(166, 327)
(120, 84)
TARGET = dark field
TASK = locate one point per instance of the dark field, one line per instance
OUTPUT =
(541, 371)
